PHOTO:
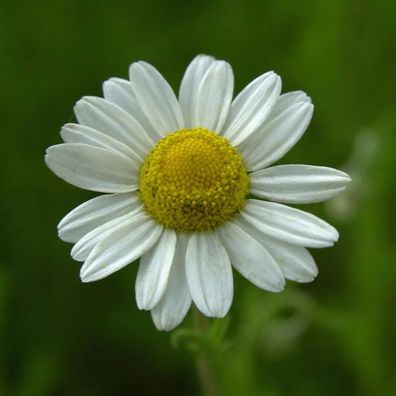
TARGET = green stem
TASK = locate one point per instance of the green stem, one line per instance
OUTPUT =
(205, 372)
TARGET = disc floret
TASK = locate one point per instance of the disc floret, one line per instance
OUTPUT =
(193, 180)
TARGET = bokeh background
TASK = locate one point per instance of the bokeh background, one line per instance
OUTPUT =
(335, 336)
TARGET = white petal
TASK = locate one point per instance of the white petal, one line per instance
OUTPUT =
(214, 96)
(95, 212)
(120, 92)
(277, 136)
(83, 248)
(122, 246)
(287, 100)
(295, 262)
(76, 133)
(209, 274)
(250, 258)
(92, 168)
(112, 120)
(156, 98)
(298, 183)
(154, 269)
(289, 224)
(176, 301)
(251, 107)
(189, 87)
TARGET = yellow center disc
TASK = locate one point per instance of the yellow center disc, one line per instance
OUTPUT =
(193, 180)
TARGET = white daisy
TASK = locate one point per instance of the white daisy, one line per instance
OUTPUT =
(177, 176)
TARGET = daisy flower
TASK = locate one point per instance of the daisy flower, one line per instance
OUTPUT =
(189, 187)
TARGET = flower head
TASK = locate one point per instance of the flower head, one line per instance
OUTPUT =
(178, 176)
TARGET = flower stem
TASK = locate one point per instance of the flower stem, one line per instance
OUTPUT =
(203, 365)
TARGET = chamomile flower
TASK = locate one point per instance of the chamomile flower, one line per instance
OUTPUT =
(189, 187)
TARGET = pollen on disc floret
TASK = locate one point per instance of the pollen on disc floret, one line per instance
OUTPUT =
(193, 180)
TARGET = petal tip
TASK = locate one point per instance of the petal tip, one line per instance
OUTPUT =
(205, 56)
(279, 287)
(144, 304)
(87, 276)
(61, 234)
(334, 235)
(164, 326)
(347, 178)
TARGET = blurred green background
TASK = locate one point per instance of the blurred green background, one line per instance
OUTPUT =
(335, 336)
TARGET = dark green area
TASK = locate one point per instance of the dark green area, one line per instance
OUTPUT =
(335, 336)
